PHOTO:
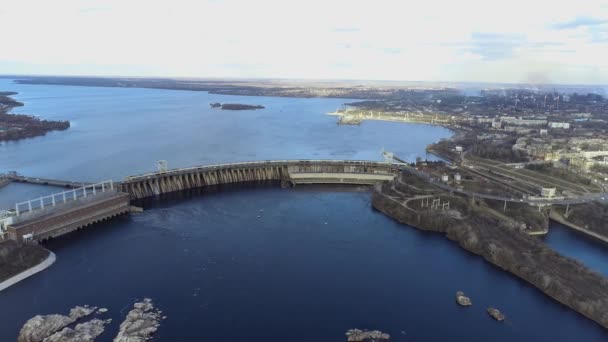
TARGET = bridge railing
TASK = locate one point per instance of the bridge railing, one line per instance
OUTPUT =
(63, 197)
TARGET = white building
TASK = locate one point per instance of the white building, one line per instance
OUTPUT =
(564, 125)
(6, 218)
(547, 192)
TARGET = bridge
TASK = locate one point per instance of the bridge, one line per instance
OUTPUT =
(60, 213)
(7, 178)
(293, 172)
(57, 214)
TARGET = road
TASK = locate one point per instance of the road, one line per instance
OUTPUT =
(540, 202)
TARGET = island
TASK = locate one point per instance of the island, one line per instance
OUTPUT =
(20, 126)
(235, 106)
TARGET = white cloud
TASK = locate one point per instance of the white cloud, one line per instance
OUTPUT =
(431, 40)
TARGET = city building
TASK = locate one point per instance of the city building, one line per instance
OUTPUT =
(564, 125)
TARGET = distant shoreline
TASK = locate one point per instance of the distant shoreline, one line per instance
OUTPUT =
(226, 87)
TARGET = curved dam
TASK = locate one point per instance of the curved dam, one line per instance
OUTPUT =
(287, 171)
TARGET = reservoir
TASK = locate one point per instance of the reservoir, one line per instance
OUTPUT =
(257, 262)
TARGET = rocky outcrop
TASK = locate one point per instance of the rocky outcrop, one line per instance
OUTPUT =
(462, 299)
(356, 335)
(83, 332)
(563, 279)
(40, 327)
(496, 314)
(139, 325)
(141, 322)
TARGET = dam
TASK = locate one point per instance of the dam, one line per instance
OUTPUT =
(288, 172)
(57, 214)
(61, 213)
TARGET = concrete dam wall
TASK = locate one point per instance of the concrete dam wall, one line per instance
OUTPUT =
(290, 171)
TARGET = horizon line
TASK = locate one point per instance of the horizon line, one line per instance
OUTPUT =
(297, 79)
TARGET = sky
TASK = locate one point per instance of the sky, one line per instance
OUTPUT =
(531, 41)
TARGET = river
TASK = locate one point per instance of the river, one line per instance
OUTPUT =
(259, 263)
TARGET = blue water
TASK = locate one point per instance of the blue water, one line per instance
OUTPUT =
(592, 252)
(118, 132)
(259, 263)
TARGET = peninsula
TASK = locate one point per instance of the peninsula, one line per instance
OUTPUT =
(19, 126)
(485, 231)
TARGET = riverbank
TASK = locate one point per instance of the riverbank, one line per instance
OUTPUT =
(555, 216)
(476, 230)
(351, 117)
(19, 126)
(20, 262)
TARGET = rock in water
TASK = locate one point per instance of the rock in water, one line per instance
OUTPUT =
(462, 299)
(83, 332)
(496, 314)
(140, 324)
(356, 335)
(40, 327)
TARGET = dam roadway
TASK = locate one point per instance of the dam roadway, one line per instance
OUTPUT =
(57, 214)
(293, 172)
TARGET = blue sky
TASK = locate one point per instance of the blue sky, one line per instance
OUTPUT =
(485, 41)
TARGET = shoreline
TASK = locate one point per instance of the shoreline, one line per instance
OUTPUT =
(46, 263)
(561, 278)
(588, 233)
(14, 127)
(358, 121)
